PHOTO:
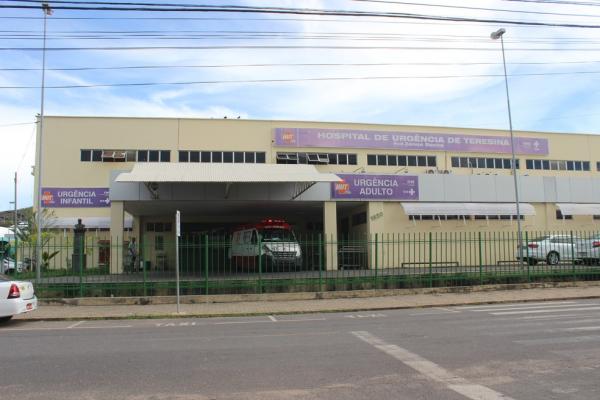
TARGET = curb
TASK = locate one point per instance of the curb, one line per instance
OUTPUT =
(330, 295)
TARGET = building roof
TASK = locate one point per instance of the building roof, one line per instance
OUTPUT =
(489, 209)
(224, 173)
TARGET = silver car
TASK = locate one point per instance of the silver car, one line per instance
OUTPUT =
(589, 250)
(552, 249)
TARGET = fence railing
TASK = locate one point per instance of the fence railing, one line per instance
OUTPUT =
(213, 265)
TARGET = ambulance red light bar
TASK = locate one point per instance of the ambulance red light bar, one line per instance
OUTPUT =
(274, 223)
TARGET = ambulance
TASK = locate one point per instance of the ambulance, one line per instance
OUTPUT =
(273, 240)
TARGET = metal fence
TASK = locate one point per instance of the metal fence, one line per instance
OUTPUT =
(211, 265)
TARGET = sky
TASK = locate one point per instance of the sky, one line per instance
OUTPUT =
(299, 67)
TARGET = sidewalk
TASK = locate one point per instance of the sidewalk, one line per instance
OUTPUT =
(430, 298)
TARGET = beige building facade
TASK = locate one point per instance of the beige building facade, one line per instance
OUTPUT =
(126, 177)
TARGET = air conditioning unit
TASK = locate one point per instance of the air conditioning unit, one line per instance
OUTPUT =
(430, 171)
(445, 171)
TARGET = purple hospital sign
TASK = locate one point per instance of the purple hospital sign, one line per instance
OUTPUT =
(360, 139)
(375, 187)
(75, 197)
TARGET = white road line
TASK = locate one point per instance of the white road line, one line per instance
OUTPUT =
(447, 309)
(525, 303)
(272, 318)
(548, 317)
(65, 328)
(582, 328)
(534, 307)
(561, 340)
(432, 371)
(75, 324)
(544, 311)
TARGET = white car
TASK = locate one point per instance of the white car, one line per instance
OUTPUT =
(8, 266)
(552, 249)
(16, 297)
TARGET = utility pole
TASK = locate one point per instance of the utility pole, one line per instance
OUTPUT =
(38, 272)
(16, 227)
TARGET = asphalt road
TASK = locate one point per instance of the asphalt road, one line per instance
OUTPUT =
(530, 351)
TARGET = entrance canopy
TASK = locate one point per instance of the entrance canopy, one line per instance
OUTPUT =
(467, 209)
(225, 173)
(578, 209)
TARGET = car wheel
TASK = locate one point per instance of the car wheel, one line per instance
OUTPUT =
(553, 258)
(5, 319)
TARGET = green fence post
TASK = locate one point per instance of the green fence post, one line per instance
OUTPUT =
(206, 264)
(480, 258)
(259, 288)
(526, 253)
(430, 261)
(81, 266)
(320, 244)
(142, 244)
(376, 256)
(573, 272)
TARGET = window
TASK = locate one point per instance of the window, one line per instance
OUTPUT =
(194, 156)
(217, 156)
(480, 162)
(238, 157)
(381, 160)
(142, 155)
(597, 165)
(392, 160)
(314, 158)
(411, 161)
(371, 159)
(153, 156)
(227, 156)
(249, 157)
(184, 156)
(559, 215)
(165, 156)
(97, 155)
(86, 155)
(559, 165)
(260, 157)
(159, 243)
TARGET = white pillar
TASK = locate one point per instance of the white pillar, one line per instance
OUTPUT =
(330, 235)
(117, 216)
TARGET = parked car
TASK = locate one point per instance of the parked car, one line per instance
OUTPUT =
(589, 250)
(551, 249)
(16, 297)
(8, 266)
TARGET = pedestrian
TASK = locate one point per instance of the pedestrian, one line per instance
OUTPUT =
(132, 253)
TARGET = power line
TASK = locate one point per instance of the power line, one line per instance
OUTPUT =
(299, 65)
(100, 85)
(476, 8)
(293, 11)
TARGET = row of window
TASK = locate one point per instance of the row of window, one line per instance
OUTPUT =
(248, 157)
(317, 158)
(462, 217)
(558, 165)
(483, 162)
(125, 155)
(104, 155)
(401, 160)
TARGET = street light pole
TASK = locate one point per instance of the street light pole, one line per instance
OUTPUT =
(499, 34)
(16, 227)
(38, 272)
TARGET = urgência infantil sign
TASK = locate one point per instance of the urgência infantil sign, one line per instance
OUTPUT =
(375, 187)
(75, 197)
(397, 140)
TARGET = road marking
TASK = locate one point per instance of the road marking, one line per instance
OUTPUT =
(534, 307)
(272, 318)
(75, 324)
(66, 328)
(513, 305)
(550, 316)
(432, 370)
(544, 311)
(582, 328)
(377, 315)
(561, 340)
(447, 309)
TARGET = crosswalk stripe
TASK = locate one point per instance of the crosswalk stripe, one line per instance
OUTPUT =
(545, 311)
